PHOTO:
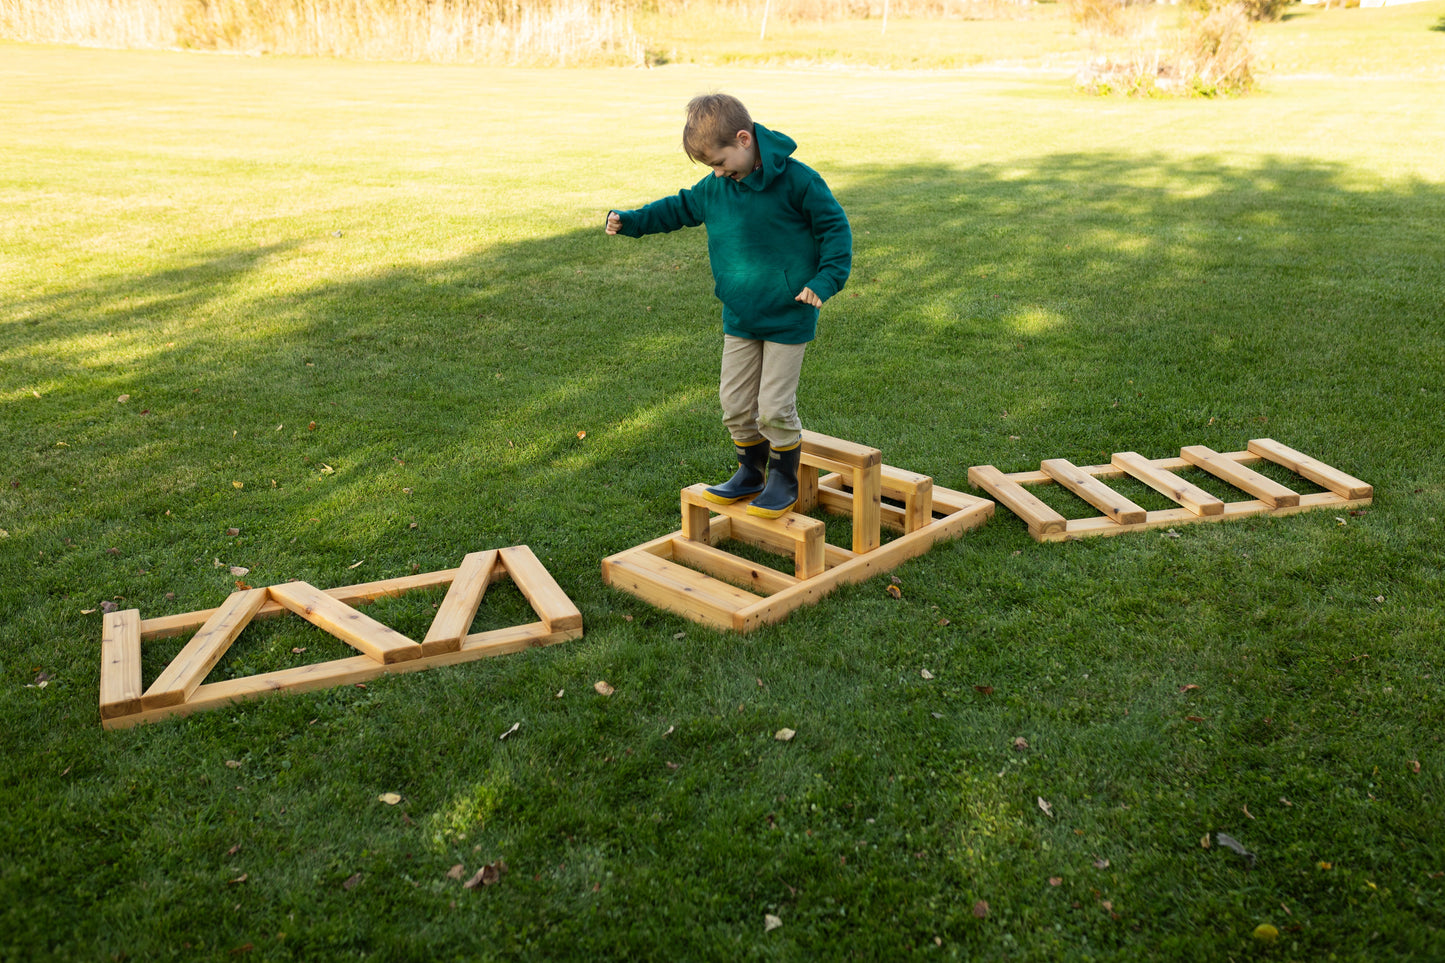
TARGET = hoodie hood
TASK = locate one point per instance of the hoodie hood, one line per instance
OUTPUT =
(774, 149)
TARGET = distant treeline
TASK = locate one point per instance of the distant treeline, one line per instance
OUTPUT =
(488, 31)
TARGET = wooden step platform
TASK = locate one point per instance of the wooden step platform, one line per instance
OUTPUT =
(1120, 515)
(181, 688)
(686, 572)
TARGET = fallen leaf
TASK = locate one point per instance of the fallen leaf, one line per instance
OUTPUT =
(784, 735)
(327, 469)
(1020, 744)
(771, 922)
(1056, 881)
(1188, 688)
(1047, 809)
(581, 435)
(1414, 765)
(1169, 534)
(232, 764)
(1341, 520)
(311, 427)
(239, 570)
(88, 611)
(680, 635)
(108, 606)
(390, 798)
(1285, 801)
(236, 484)
(243, 948)
(1108, 906)
(1204, 841)
(670, 730)
(456, 872)
(674, 765)
(297, 650)
(234, 850)
(942, 622)
(1266, 933)
(515, 727)
(980, 909)
(895, 591)
(1247, 812)
(356, 564)
(1194, 718)
(123, 399)
(926, 674)
(559, 694)
(240, 879)
(985, 689)
(232, 532)
(351, 882)
(603, 688)
(242, 586)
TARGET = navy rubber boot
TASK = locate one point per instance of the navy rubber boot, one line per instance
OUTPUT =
(780, 493)
(747, 480)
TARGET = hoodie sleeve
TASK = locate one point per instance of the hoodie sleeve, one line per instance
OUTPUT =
(834, 237)
(683, 209)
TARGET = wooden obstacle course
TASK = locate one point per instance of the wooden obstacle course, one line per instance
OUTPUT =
(687, 573)
(1121, 515)
(181, 689)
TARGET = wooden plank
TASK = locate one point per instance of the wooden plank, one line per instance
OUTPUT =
(848, 453)
(1096, 493)
(360, 631)
(730, 568)
(1169, 518)
(189, 668)
(867, 499)
(807, 489)
(951, 502)
(696, 510)
(840, 501)
(779, 536)
(456, 612)
(1245, 479)
(120, 680)
(1040, 518)
(670, 586)
(916, 493)
(551, 604)
(1346, 486)
(1168, 484)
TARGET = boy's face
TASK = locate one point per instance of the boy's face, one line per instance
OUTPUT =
(735, 160)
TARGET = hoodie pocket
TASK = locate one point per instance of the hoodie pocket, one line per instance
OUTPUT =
(757, 294)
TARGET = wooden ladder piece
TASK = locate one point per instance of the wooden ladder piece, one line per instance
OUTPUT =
(1267, 490)
(1040, 518)
(459, 607)
(862, 466)
(671, 586)
(189, 668)
(356, 629)
(1346, 486)
(1168, 484)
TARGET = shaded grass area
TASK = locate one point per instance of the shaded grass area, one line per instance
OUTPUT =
(264, 247)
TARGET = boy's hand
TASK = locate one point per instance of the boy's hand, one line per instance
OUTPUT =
(614, 222)
(808, 297)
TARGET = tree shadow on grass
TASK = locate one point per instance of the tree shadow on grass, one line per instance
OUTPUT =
(558, 391)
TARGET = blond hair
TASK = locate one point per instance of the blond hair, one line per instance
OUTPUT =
(713, 121)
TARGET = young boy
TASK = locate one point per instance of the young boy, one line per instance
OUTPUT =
(780, 246)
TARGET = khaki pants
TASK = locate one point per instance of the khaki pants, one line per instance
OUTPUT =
(759, 391)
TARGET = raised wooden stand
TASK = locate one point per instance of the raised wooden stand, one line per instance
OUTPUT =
(180, 689)
(687, 573)
(1121, 515)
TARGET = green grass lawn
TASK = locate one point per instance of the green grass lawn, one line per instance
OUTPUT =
(361, 313)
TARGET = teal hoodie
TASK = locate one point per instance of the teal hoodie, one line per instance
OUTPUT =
(770, 235)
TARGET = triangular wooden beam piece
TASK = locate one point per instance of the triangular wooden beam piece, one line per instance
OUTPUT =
(180, 689)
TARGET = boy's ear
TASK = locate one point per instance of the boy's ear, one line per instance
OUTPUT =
(745, 138)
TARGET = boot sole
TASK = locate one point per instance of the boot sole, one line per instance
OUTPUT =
(724, 500)
(770, 512)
